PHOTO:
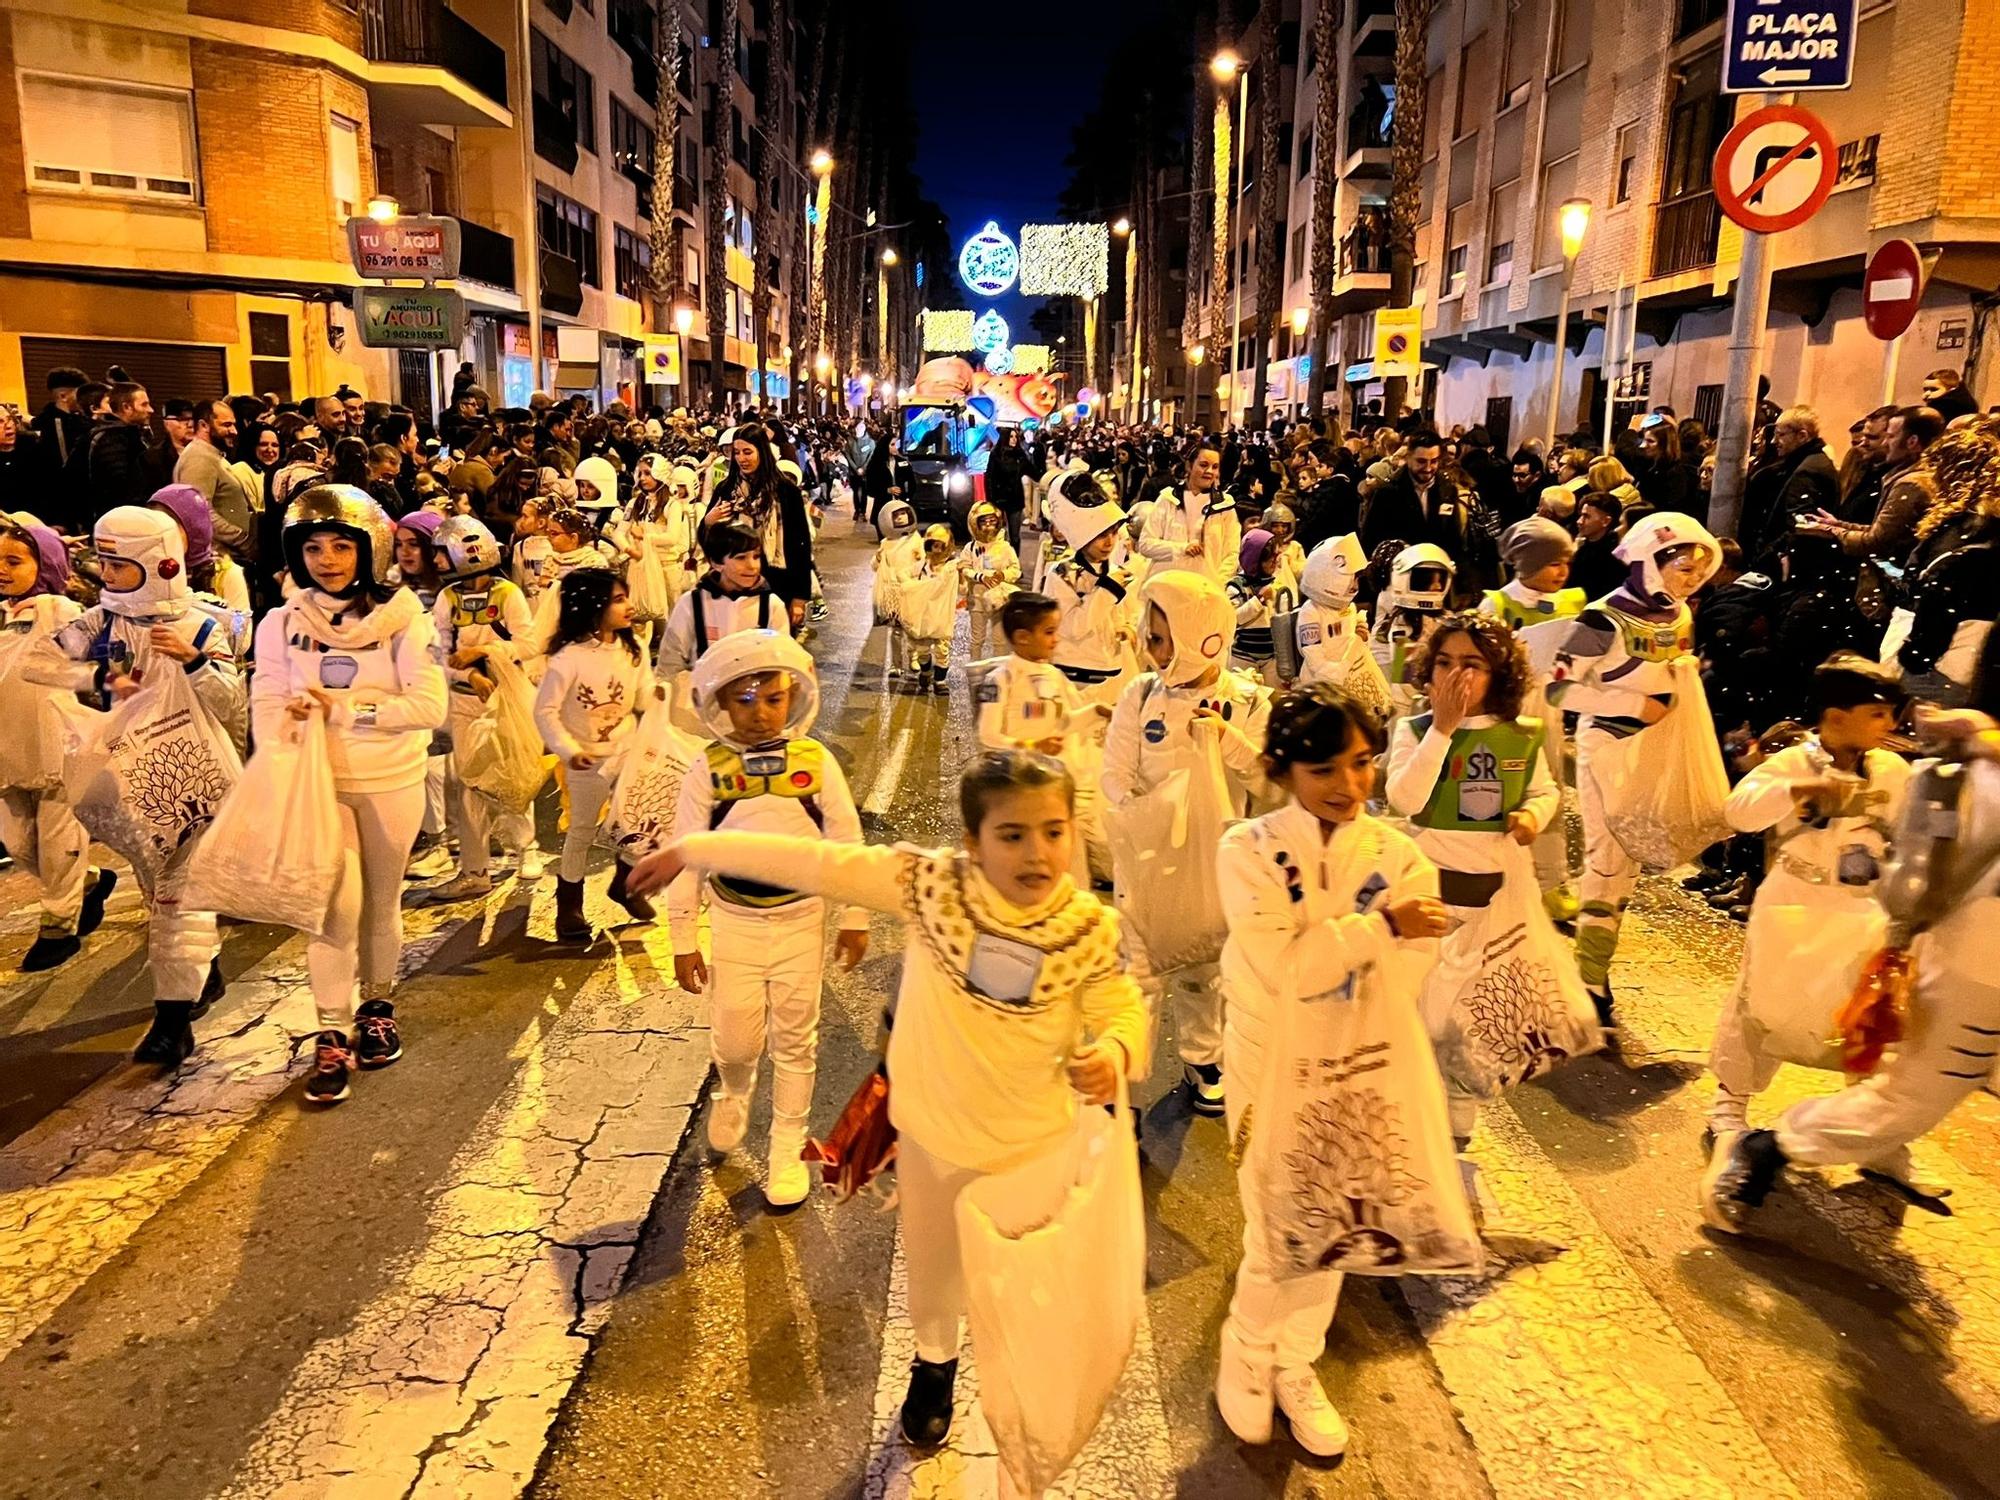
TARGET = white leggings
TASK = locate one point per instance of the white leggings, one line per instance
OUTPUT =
(41, 832)
(180, 944)
(436, 770)
(767, 971)
(364, 925)
(586, 793)
(927, 1189)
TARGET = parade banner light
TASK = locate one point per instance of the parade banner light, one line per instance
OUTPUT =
(990, 332)
(1031, 359)
(1065, 260)
(989, 262)
(947, 331)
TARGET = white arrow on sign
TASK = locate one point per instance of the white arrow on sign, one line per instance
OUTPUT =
(1785, 75)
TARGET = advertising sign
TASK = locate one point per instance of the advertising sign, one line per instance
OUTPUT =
(412, 247)
(419, 318)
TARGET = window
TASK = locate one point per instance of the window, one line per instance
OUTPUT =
(1500, 220)
(1299, 251)
(634, 23)
(567, 89)
(345, 137)
(1558, 186)
(691, 274)
(1572, 36)
(1708, 406)
(1476, 88)
(271, 354)
(568, 228)
(1695, 127)
(1626, 156)
(1527, 27)
(632, 263)
(1457, 230)
(86, 137)
(631, 140)
(1305, 153)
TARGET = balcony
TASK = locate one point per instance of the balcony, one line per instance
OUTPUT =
(485, 255)
(435, 68)
(555, 133)
(1361, 269)
(1685, 231)
(1375, 29)
(687, 195)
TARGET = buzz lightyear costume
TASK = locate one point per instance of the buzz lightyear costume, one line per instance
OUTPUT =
(1612, 669)
(768, 943)
(1329, 635)
(1408, 610)
(1093, 645)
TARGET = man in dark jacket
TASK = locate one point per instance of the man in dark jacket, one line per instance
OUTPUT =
(63, 426)
(1802, 480)
(1418, 505)
(116, 466)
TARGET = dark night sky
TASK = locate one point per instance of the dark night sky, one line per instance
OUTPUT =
(997, 94)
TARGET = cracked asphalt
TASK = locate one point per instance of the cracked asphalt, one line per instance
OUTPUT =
(508, 1265)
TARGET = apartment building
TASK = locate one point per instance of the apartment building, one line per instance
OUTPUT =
(175, 177)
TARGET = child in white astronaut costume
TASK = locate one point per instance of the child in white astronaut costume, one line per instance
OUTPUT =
(361, 650)
(1094, 594)
(1189, 628)
(1615, 671)
(1829, 805)
(1406, 612)
(756, 693)
(1330, 632)
(992, 571)
(927, 606)
(36, 823)
(898, 556)
(478, 614)
(148, 620)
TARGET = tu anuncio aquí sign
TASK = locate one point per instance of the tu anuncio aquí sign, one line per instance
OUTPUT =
(419, 318)
(1778, 46)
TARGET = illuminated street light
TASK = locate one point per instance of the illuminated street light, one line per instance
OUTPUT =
(384, 210)
(1197, 354)
(821, 162)
(1225, 65)
(821, 365)
(889, 257)
(683, 318)
(1122, 228)
(1300, 318)
(1572, 224)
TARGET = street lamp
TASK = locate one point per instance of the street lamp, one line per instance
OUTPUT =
(1224, 66)
(1300, 318)
(683, 317)
(1195, 356)
(384, 210)
(889, 257)
(1123, 229)
(821, 162)
(1572, 224)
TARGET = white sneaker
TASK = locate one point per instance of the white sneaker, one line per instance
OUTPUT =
(1243, 1391)
(464, 888)
(433, 862)
(728, 1118)
(1316, 1426)
(790, 1182)
(532, 865)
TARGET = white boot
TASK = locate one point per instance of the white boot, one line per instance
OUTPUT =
(790, 1181)
(1316, 1426)
(728, 1118)
(1243, 1389)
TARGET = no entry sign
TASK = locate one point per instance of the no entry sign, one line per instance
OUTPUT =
(1775, 168)
(1891, 288)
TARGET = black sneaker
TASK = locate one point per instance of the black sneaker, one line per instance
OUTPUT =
(377, 1043)
(1741, 1180)
(333, 1063)
(927, 1408)
(91, 915)
(940, 684)
(170, 1041)
(50, 949)
(1204, 1081)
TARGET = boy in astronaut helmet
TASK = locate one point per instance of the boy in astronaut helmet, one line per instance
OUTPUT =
(898, 556)
(1406, 612)
(1330, 631)
(148, 620)
(1190, 704)
(478, 614)
(1614, 669)
(992, 571)
(1093, 591)
(756, 694)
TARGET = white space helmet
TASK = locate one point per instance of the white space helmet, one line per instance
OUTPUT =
(601, 476)
(1647, 543)
(346, 511)
(1200, 618)
(1420, 577)
(1081, 512)
(684, 481)
(465, 548)
(789, 469)
(1332, 574)
(897, 519)
(151, 541)
(745, 653)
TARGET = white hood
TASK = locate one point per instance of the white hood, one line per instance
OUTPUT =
(1201, 621)
(151, 540)
(1332, 574)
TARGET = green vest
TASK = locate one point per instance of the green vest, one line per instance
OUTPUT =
(1563, 604)
(1485, 776)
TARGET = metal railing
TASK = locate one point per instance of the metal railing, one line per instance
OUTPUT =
(1685, 231)
(485, 254)
(423, 31)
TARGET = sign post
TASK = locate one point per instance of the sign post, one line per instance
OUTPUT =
(409, 317)
(408, 247)
(1797, 45)
(1399, 336)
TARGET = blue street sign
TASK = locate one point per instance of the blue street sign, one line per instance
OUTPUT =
(1778, 46)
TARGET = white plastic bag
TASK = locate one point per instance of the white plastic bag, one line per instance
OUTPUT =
(1349, 1139)
(31, 751)
(1163, 848)
(1054, 1254)
(1663, 789)
(1505, 1002)
(1800, 966)
(929, 604)
(648, 793)
(273, 853)
(501, 750)
(652, 597)
(887, 595)
(146, 779)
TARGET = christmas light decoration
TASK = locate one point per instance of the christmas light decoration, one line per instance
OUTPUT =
(1031, 359)
(989, 262)
(1065, 260)
(1219, 265)
(990, 332)
(947, 331)
(1000, 361)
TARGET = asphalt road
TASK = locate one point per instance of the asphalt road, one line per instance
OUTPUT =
(508, 1264)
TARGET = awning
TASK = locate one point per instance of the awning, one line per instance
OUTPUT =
(1364, 373)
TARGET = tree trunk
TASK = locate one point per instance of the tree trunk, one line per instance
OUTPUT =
(1269, 185)
(717, 274)
(664, 239)
(1413, 23)
(1199, 162)
(801, 319)
(765, 156)
(1327, 23)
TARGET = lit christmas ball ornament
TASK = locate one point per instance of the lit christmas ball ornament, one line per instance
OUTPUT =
(989, 333)
(1000, 361)
(989, 262)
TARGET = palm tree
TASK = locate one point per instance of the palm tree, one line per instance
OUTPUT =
(765, 158)
(1200, 198)
(1269, 184)
(1406, 159)
(801, 321)
(1327, 20)
(721, 131)
(664, 238)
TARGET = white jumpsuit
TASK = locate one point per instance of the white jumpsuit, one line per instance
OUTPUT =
(36, 824)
